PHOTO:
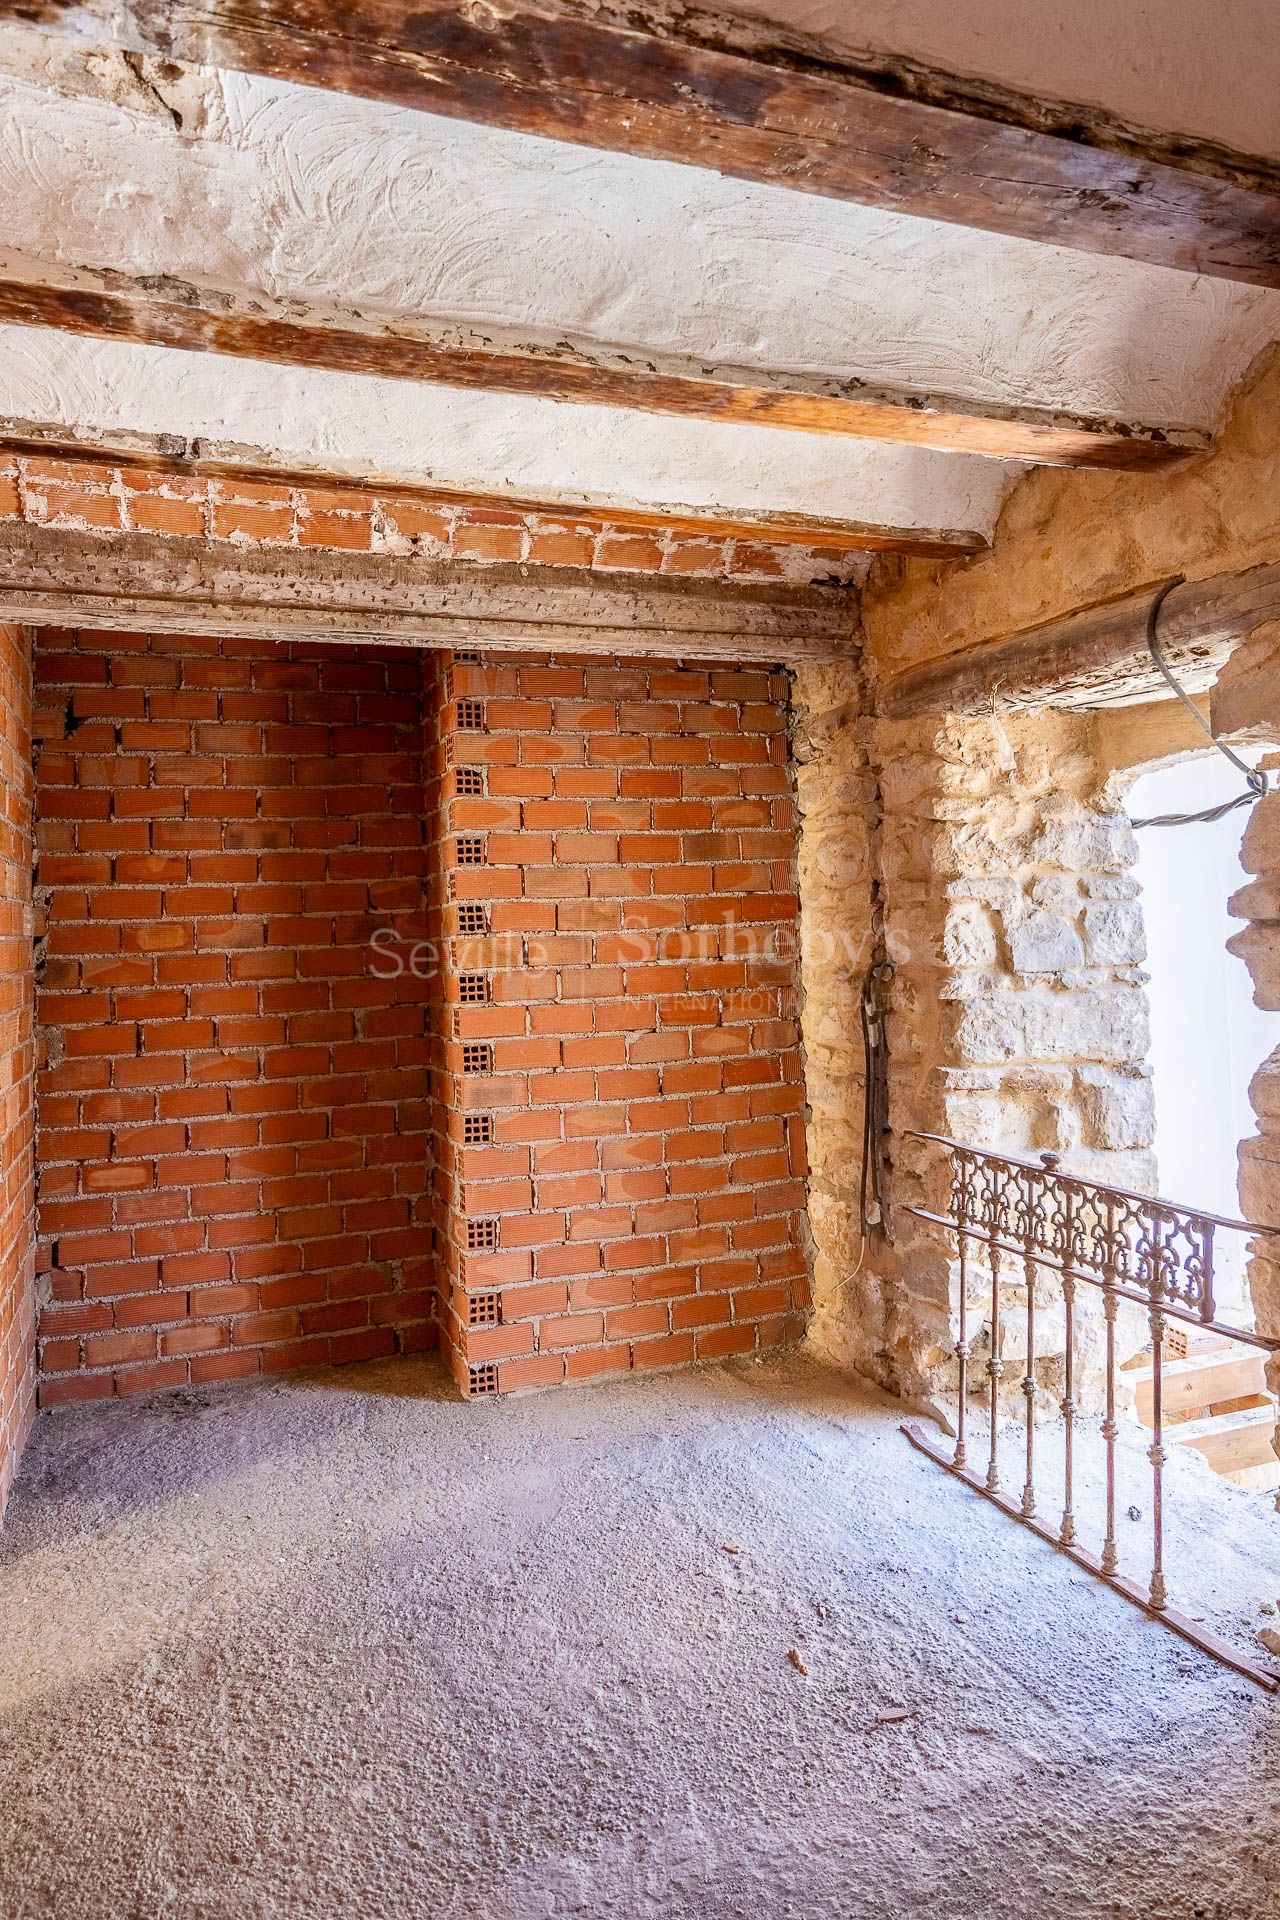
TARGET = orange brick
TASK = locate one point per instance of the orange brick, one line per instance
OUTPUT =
(480, 542)
(414, 521)
(349, 531)
(703, 557)
(80, 505)
(561, 546)
(629, 552)
(241, 521)
(153, 513)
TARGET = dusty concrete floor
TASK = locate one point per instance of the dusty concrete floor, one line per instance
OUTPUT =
(346, 1647)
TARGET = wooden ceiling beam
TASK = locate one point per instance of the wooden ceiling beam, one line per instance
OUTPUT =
(1097, 656)
(215, 460)
(177, 314)
(160, 583)
(674, 82)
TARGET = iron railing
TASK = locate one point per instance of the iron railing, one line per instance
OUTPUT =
(1129, 1246)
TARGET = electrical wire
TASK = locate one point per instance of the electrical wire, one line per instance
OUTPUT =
(1257, 782)
(874, 1185)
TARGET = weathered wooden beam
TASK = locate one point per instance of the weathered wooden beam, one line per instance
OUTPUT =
(675, 82)
(174, 313)
(176, 454)
(155, 583)
(1097, 656)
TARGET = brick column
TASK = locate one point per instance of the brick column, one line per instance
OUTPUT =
(620, 1141)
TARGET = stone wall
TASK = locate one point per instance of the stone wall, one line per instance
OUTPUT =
(838, 806)
(1246, 704)
(1000, 871)
(998, 858)
(1066, 539)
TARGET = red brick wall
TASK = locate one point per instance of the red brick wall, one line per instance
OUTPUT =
(276, 1118)
(631, 848)
(17, 1117)
(106, 499)
(233, 1101)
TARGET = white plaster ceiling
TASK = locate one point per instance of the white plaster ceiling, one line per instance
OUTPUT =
(1206, 68)
(340, 204)
(482, 441)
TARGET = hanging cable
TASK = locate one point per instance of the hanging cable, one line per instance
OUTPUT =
(874, 1192)
(1257, 782)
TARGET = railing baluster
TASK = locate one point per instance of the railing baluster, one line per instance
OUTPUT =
(995, 1370)
(1130, 1247)
(1156, 1455)
(1110, 1431)
(960, 1456)
(1155, 1452)
(1067, 1531)
(1029, 1389)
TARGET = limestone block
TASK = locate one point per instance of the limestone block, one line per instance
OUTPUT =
(1042, 942)
(1259, 948)
(1264, 1091)
(1003, 892)
(969, 935)
(1070, 838)
(969, 983)
(930, 1276)
(1035, 1079)
(1114, 934)
(831, 1021)
(1259, 900)
(1057, 893)
(838, 857)
(1260, 852)
(1110, 886)
(1117, 1109)
(909, 783)
(1004, 1124)
(820, 688)
(1260, 1179)
(1103, 1024)
(1134, 1168)
(1264, 1286)
(1245, 703)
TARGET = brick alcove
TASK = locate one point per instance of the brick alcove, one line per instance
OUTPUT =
(386, 994)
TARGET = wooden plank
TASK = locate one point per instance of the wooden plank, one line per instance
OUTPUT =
(1231, 1442)
(176, 454)
(675, 83)
(1096, 656)
(1200, 1381)
(177, 314)
(53, 576)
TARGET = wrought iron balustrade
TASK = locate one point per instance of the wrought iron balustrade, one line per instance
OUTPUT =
(1031, 1216)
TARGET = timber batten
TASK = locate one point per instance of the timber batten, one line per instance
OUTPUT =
(1096, 656)
(178, 314)
(175, 454)
(53, 576)
(708, 90)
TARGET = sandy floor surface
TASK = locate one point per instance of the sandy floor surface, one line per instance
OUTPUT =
(344, 1646)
